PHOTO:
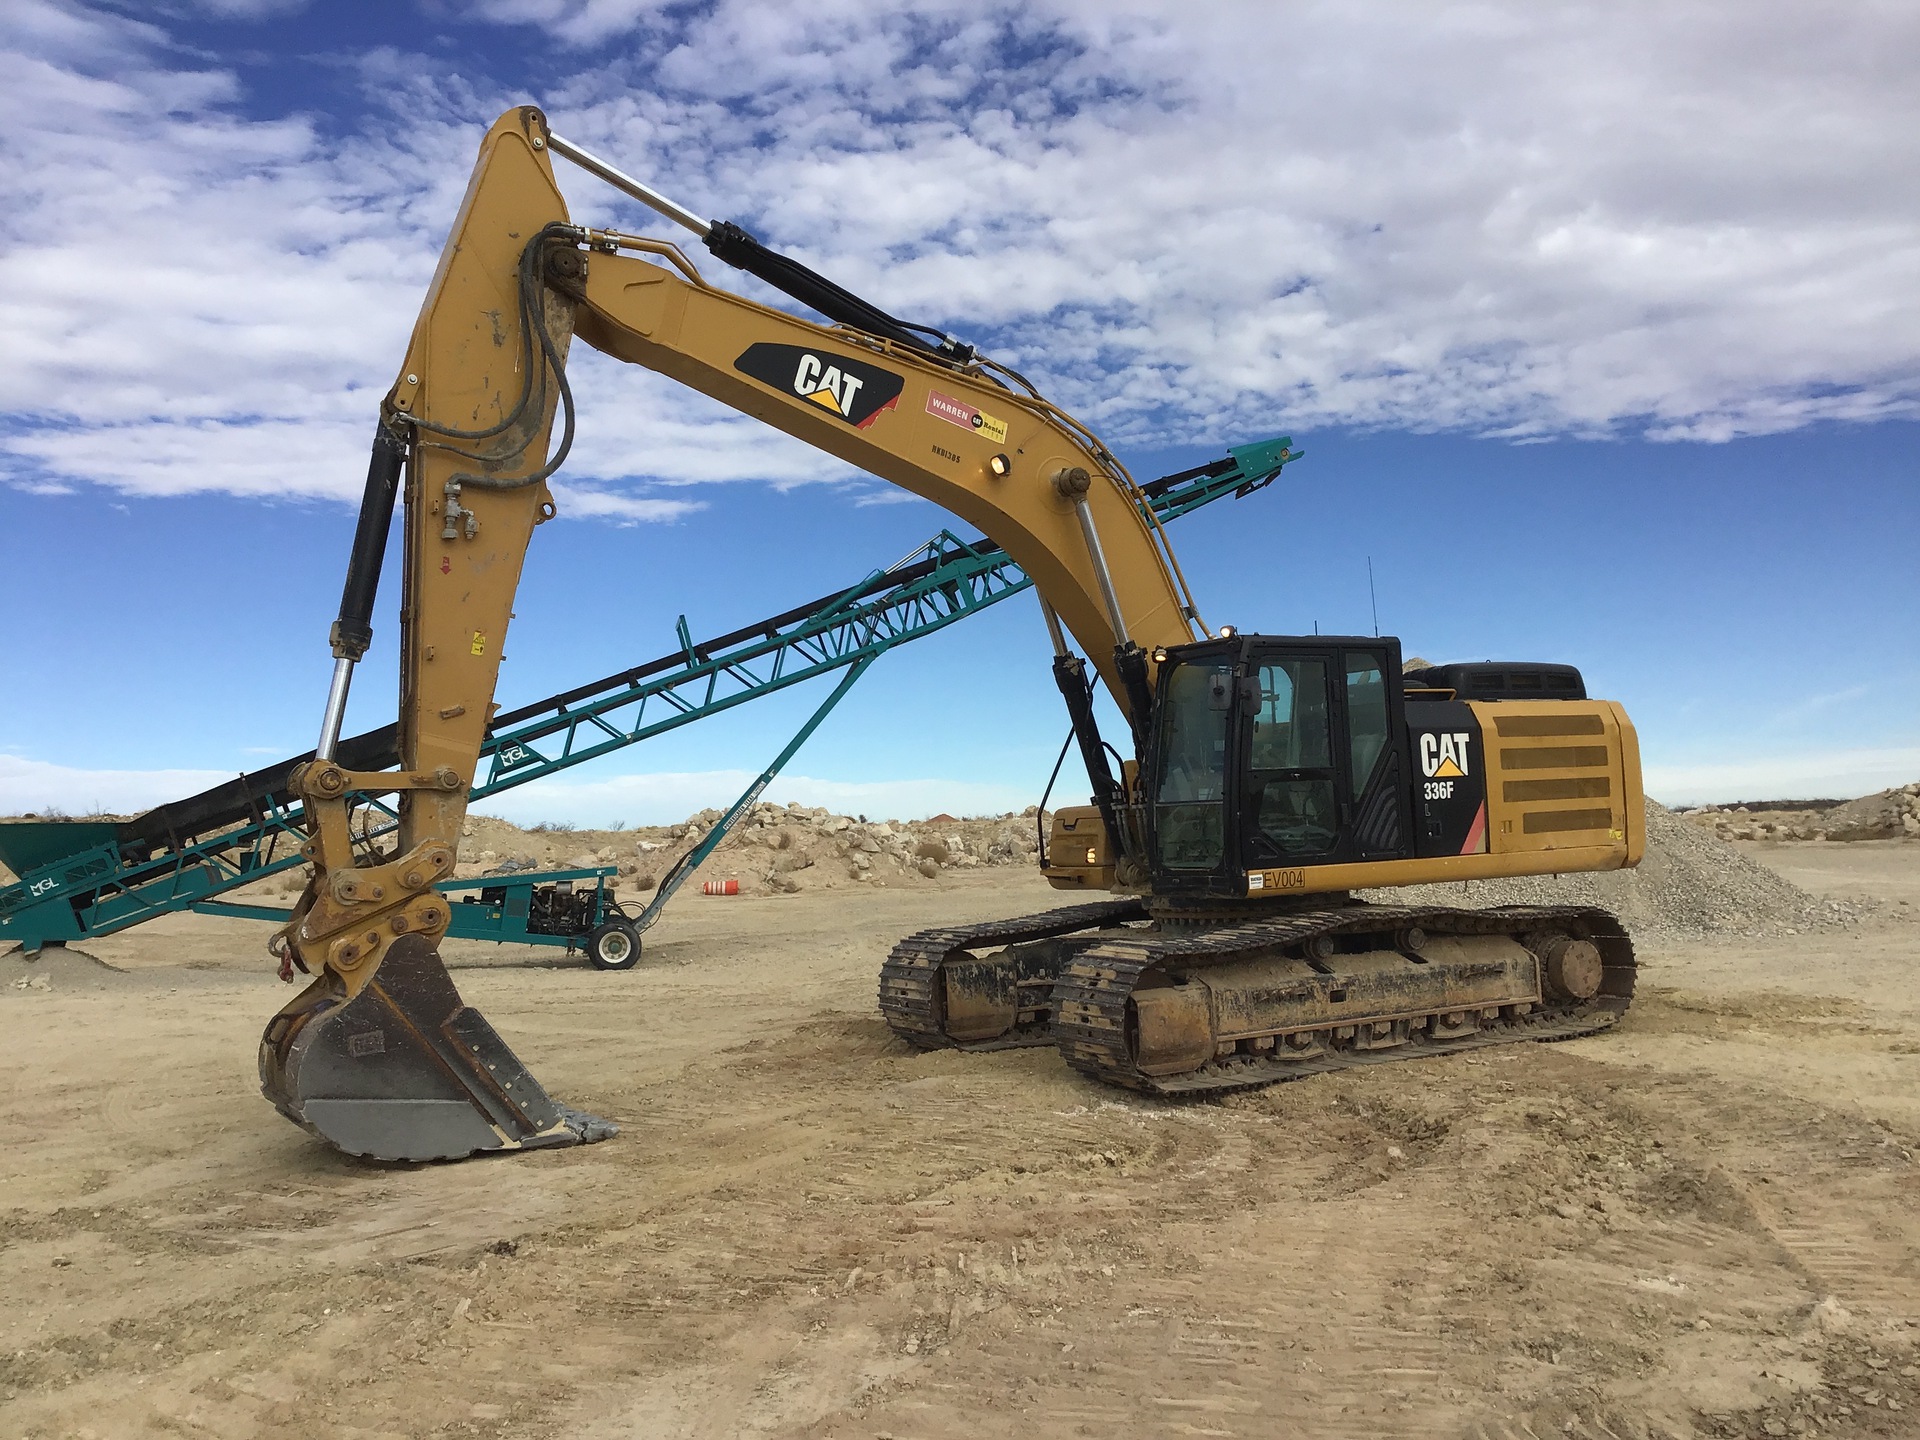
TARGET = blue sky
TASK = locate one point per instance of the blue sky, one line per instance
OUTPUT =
(1598, 328)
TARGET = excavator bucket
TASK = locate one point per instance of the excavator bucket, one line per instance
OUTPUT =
(407, 1071)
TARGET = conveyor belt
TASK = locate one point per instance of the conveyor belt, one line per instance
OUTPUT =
(80, 879)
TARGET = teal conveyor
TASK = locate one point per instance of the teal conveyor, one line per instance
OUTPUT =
(80, 879)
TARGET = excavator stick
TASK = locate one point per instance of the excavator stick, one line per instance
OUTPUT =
(379, 1056)
(405, 1070)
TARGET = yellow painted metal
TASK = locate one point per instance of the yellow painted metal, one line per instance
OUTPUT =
(1564, 795)
(466, 352)
(1633, 786)
(1561, 775)
(1436, 869)
(464, 369)
(640, 310)
(1080, 853)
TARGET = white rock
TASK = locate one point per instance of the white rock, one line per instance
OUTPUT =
(1833, 1317)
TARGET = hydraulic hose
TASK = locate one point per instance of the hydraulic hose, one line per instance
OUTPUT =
(534, 332)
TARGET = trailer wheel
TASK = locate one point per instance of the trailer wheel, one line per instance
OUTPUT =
(614, 946)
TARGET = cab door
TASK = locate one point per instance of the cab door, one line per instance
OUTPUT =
(1291, 810)
(1323, 733)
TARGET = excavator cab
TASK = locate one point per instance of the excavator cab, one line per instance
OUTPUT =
(1275, 753)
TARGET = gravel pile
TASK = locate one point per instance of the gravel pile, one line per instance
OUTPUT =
(1690, 883)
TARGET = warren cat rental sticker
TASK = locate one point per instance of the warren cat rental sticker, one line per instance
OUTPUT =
(959, 412)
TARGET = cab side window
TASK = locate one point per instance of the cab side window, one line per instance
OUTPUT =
(1189, 807)
(1366, 715)
(1297, 812)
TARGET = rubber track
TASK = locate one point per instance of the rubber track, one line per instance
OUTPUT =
(909, 979)
(1090, 1000)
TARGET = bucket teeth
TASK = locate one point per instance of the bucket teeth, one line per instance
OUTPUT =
(406, 1071)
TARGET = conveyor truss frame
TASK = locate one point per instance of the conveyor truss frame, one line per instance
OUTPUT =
(83, 879)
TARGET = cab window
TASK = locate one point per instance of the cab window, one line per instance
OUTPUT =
(1366, 715)
(1296, 810)
(1189, 807)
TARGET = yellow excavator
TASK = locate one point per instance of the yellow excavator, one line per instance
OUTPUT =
(1271, 776)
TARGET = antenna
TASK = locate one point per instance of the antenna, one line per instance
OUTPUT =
(1373, 599)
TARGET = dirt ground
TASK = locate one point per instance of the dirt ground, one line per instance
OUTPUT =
(1704, 1224)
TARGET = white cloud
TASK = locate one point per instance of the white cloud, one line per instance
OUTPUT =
(1681, 220)
(280, 459)
(666, 798)
(1523, 219)
(1796, 775)
(37, 787)
(195, 301)
(576, 503)
(576, 22)
(250, 9)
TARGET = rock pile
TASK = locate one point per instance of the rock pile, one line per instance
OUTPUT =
(1888, 815)
(1691, 882)
(772, 848)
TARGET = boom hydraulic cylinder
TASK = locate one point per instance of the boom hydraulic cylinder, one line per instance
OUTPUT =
(353, 630)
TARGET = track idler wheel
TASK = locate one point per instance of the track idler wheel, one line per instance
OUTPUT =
(406, 1071)
(1570, 969)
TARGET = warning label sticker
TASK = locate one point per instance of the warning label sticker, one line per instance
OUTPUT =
(959, 412)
